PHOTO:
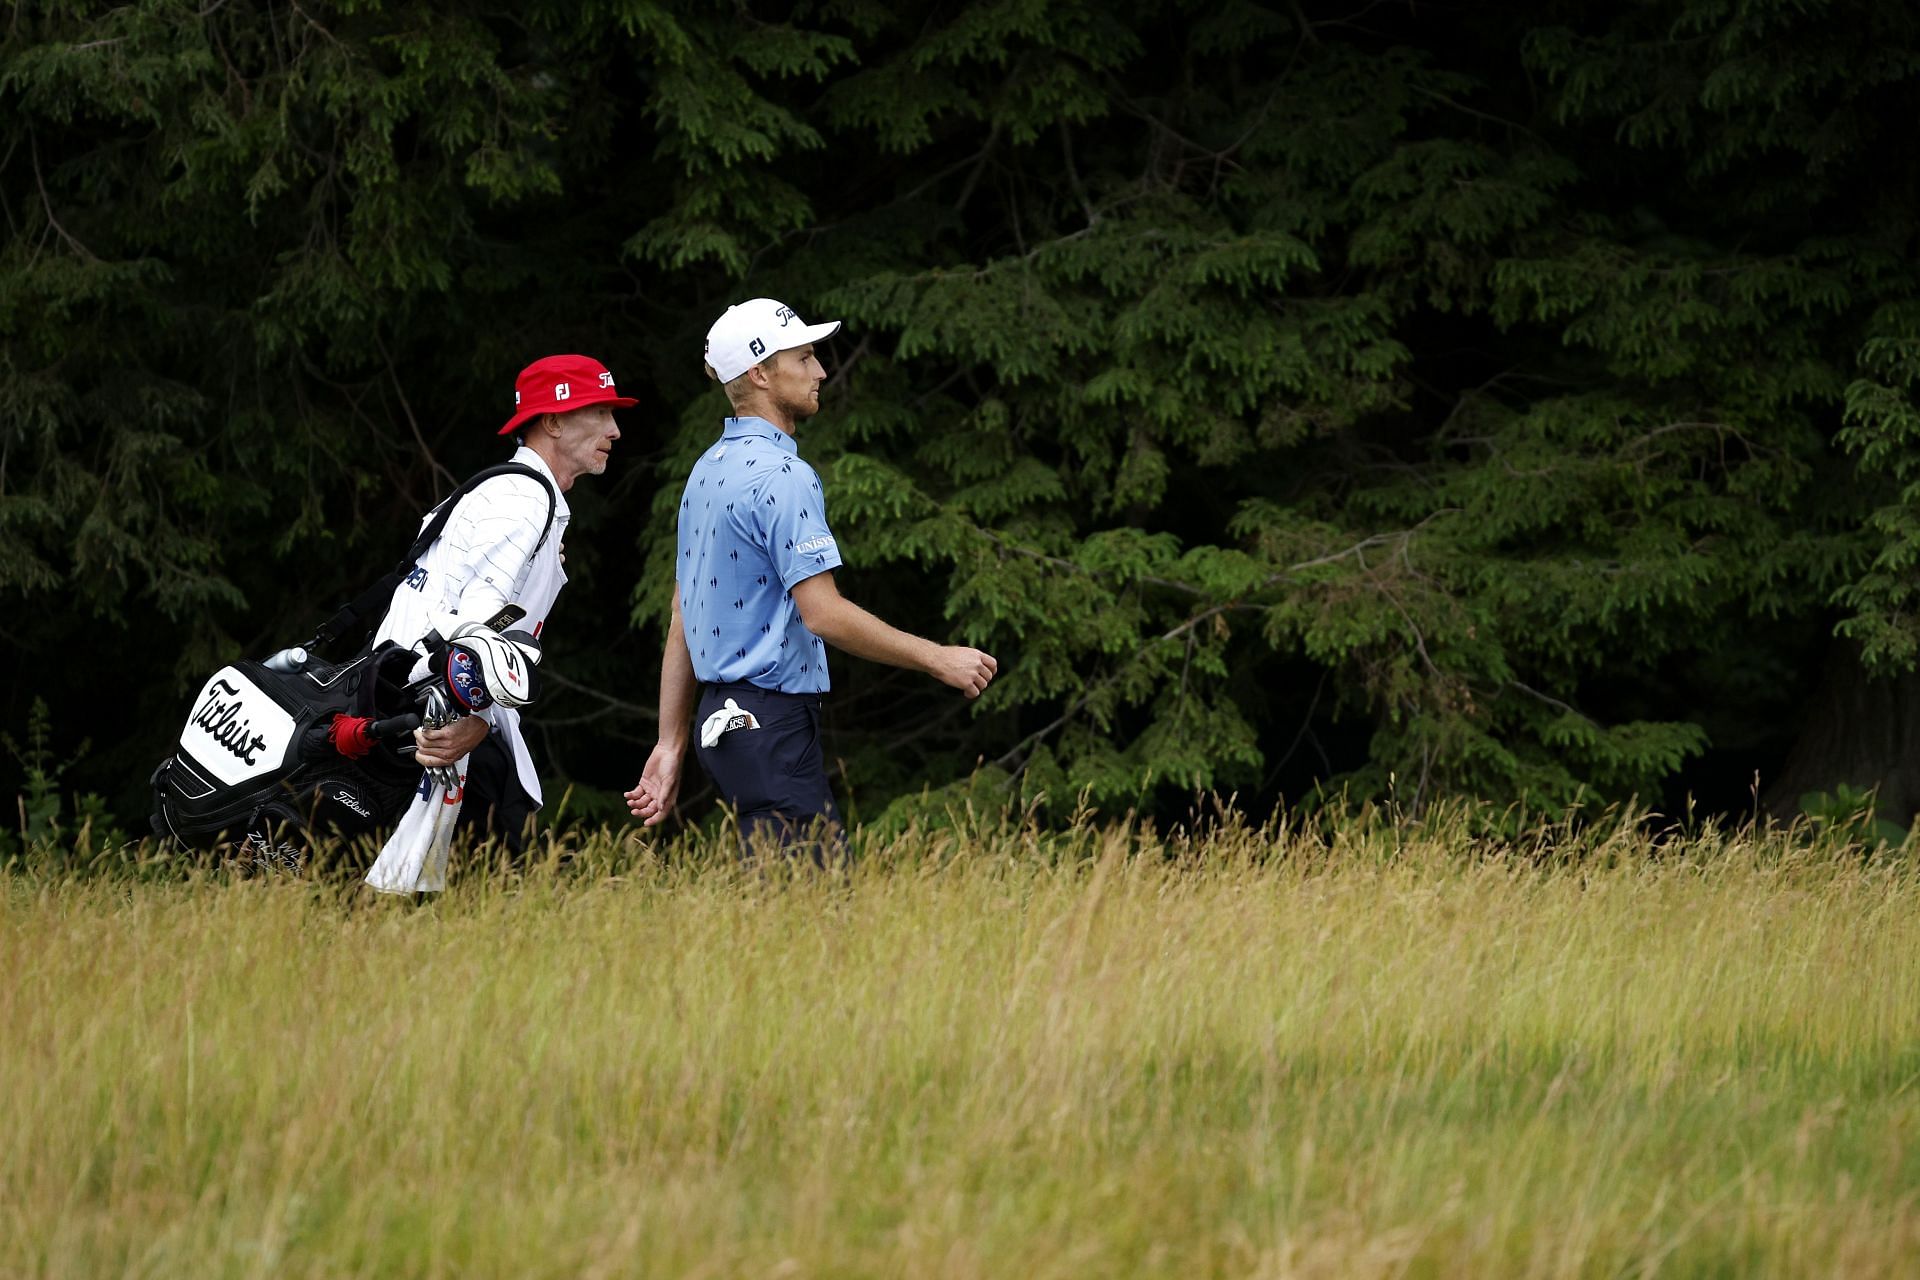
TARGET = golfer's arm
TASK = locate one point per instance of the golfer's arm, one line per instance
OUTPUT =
(846, 626)
(677, 685)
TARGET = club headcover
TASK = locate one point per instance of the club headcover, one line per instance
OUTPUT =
(484, 667)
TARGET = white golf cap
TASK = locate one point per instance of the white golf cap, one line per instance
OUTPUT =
(751, 331)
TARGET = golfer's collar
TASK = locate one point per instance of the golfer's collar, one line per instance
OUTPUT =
(740, 428)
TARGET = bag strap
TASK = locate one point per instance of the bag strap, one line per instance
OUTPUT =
(355, 615)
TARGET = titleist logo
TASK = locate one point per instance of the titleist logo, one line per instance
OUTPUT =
(221, 719)
(347, 798)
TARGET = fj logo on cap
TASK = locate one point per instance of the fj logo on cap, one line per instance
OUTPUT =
(758, 347)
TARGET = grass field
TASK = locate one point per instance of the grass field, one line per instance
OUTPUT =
(998, 1054)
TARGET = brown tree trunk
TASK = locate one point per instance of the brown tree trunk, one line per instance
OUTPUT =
(1860, 730)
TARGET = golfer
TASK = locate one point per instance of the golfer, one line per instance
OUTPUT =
(492, 554)
(755, 598)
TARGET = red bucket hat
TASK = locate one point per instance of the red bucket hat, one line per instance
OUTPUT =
(561, 384)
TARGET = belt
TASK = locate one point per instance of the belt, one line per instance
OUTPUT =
(750, 688)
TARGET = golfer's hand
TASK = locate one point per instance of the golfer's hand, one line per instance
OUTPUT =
(968, 670)
(651, 799)
(448, 745)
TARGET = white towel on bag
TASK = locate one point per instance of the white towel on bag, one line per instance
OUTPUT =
(414, 859)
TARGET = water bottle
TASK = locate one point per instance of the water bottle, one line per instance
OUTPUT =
(287, 660)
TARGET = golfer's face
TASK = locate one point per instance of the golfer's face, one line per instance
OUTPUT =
(795, 384)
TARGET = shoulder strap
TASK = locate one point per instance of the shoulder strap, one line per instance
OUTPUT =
(357, 613)
(444, 512)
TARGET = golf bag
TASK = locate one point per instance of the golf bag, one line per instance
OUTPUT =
(259, 757)
(297, 743)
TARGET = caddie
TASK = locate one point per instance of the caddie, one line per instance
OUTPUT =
(755, 599)
(499, 547)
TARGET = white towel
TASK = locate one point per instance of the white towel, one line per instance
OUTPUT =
(414, 859)
(725, 720)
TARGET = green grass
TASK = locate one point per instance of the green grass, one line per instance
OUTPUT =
(998, 1054)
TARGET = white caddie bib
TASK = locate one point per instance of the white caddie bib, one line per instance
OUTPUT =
(483, 559)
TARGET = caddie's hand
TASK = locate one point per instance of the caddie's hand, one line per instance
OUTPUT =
(651, 799)
(449, 744)
(968, 670)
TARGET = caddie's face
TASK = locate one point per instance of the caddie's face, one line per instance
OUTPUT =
(585, 439)
(793, 381)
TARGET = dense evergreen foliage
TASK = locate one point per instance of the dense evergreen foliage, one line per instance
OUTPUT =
(1508, 400)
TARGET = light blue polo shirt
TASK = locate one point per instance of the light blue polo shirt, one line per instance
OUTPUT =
(753, 522)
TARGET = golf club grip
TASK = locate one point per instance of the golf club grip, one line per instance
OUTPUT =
(393, 726)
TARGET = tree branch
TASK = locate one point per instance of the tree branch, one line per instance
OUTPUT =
(609, 703)
(426, 450)
(46, 201)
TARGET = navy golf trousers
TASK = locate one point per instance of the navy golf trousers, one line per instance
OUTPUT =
(775, 776)
(496, 803)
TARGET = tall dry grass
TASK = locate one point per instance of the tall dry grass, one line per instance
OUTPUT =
(989, 1053)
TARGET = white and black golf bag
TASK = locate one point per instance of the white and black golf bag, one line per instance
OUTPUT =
(277, 748)
(258, 755)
